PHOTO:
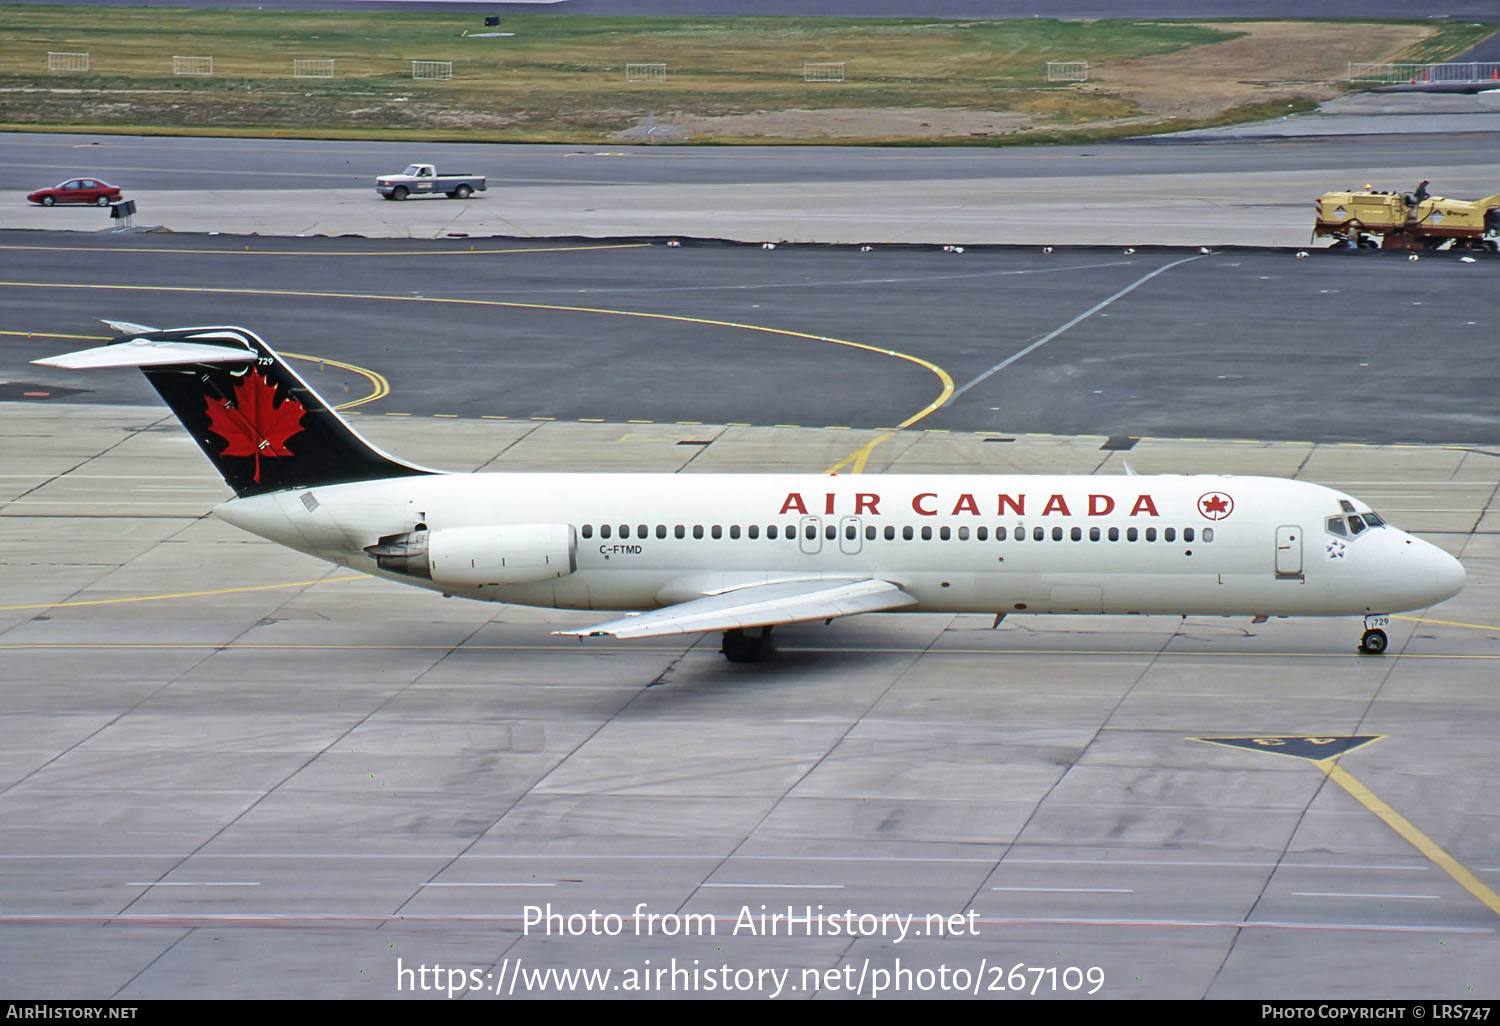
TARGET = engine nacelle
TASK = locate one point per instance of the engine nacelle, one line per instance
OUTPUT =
(476, 556)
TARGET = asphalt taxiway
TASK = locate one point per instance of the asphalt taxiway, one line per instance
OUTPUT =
(230, 771)
(227, 770)
(1363, 347)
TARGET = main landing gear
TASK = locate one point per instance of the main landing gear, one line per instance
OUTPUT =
(748, 646)
(1374, 640)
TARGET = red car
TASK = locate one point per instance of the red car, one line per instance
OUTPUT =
(77, 190)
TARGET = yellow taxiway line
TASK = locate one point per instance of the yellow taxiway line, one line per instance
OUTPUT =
(944, 395)
(1418, 840)
(182, 594)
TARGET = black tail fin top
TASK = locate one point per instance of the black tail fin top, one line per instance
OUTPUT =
(261, 425)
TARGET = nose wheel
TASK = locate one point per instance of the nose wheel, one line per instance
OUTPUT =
(1374, 640)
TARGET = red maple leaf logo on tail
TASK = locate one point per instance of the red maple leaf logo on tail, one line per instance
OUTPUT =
(253, 423)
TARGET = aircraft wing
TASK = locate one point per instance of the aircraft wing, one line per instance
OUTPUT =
(758, 605)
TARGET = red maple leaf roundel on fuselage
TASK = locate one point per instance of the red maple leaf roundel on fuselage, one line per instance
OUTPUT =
(253, 423)
(1215, 505)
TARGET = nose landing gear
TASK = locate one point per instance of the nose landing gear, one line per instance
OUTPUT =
(1374, 640)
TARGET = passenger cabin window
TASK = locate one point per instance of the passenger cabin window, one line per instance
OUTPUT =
(604, 530)
(588, 531)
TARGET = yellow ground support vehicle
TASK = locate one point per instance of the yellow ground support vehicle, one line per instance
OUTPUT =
(1416, 220)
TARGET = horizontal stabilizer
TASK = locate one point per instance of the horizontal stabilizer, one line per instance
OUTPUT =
(759, 605)
(126, 327)
(148, 352)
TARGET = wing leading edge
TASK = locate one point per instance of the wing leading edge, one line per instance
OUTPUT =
(758, 605)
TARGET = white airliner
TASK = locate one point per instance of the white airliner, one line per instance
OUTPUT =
(741, 553)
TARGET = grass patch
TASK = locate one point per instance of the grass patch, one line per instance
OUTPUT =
(557, 79)
(1451, 39)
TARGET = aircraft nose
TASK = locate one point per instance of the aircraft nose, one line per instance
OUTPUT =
(1447, 574)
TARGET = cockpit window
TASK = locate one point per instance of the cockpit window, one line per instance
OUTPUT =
(1351, 524)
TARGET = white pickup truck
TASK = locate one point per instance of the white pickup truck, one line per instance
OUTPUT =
(423, 180)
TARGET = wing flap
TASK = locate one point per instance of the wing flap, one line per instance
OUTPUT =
(759, 605)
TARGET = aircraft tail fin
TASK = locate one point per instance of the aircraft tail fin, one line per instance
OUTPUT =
(259, 423)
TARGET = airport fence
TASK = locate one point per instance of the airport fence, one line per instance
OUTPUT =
(1454, 72)
(1067, 71)
(312, 68)
(432, 71)
(823, 72)
(57, 61)
(203, 67)
(645, 72)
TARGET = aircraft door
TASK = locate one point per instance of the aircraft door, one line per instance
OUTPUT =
(1289, 552)
(851, 535)
(810, 535)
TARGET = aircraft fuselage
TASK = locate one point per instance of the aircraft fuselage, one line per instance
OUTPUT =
(1007, 544)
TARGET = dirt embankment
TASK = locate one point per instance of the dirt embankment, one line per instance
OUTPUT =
(1272, 62)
